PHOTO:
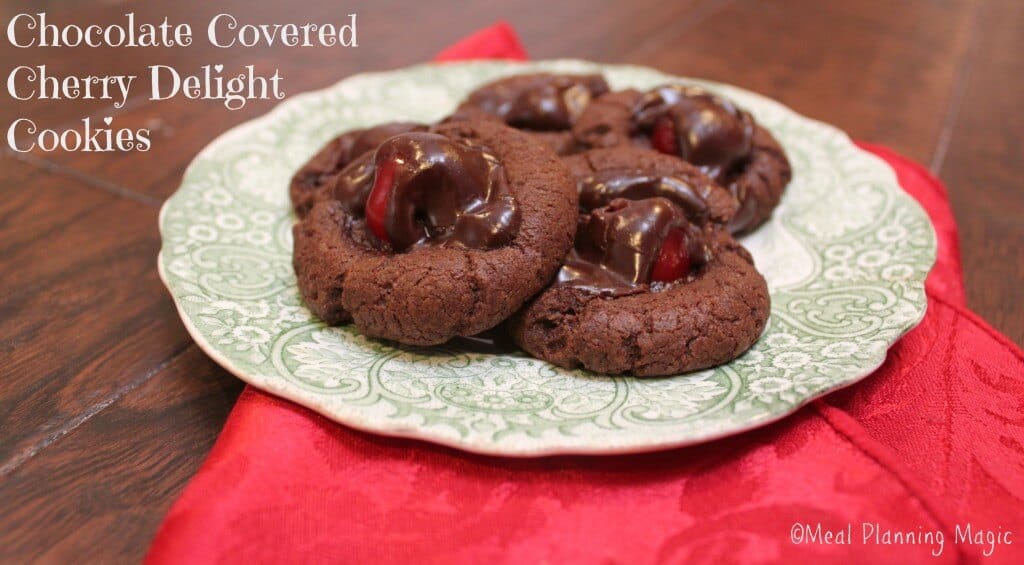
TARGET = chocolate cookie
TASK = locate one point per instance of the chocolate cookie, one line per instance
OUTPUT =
(721, 139)
(451, 233)
(310, 183)
(648, 292)
(544, 105)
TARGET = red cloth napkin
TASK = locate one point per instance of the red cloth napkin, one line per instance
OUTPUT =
(931, 444)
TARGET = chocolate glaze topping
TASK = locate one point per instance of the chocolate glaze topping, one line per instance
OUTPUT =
(548, 102)
(604, 186)
(618, 245)
(438, 192)
(711, 132)
(355, 144)
(371, 138)
(748, 210)
(352, 185)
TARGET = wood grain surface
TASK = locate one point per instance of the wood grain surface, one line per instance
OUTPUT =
(106, 405)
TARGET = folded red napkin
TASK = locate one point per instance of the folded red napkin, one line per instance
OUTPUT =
(926, 451)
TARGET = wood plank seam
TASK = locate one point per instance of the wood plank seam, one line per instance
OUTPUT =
(956, 98)
(69, 426)
(87, 179)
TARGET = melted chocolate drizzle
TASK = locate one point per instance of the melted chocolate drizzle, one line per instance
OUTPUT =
(355, 144)
(744, 217)
(352, 185)
(711, 132)
(546, 103)
(604, 186)
(370, 138)
(617, 245)
(443, 192)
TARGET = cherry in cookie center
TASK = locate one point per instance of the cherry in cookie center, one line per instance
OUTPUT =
(427, 189)
(697, 126)
(337, 159)
(628, 245)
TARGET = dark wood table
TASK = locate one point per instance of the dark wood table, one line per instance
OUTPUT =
(107, 407)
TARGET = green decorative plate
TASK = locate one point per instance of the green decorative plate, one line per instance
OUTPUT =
(845, 256)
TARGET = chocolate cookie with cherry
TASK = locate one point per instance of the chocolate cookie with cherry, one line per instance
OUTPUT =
(543, 104)
(348, 156)
(710, 132)
(648, 289)
(450, 233)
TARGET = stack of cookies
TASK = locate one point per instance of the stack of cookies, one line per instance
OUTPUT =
(594, 228)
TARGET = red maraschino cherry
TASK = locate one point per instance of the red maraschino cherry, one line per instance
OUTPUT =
(380, 196)
(663, 136)
(674, 260)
